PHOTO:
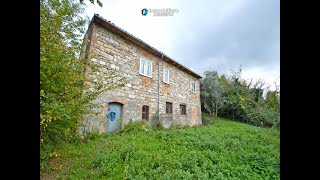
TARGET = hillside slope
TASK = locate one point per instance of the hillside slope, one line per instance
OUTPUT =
(224, 150)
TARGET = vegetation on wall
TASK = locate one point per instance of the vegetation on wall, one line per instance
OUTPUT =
(238, 99)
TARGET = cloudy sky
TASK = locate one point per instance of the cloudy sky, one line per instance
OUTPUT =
(206, 34)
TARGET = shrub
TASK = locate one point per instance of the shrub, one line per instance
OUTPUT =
(155, 121)
(92, 136)
(99, 161)
(207, 121)
(46, 153)
(67, 89)
(135, 127)
(264, 117)
(226, 150)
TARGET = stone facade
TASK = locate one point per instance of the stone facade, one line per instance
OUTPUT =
(112, 51)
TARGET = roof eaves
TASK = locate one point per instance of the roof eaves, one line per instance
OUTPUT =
(144, 43)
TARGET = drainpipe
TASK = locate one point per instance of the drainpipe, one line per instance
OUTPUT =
(159, 87)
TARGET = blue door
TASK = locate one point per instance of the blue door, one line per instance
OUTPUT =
(113, 119)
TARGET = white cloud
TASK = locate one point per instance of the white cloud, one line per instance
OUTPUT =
(201, 19)
(127, 15)
(267, 75)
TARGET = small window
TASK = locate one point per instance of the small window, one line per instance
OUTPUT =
(166, 76)
(193, 87)
(145, 67)
(183, 109)
(168, 107)
(145, 113)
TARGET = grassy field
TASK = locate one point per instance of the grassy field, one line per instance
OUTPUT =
(223, 150)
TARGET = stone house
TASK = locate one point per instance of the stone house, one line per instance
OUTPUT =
(154, 81)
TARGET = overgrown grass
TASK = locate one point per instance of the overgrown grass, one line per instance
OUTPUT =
(223, 150)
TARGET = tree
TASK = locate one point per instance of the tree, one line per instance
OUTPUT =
(92, 1)
(257, 90)
(272, 100)
(211, 92)
(61, 73)
(236, 96)
(66, 89)
(239, 99)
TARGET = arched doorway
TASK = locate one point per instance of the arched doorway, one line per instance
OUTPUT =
(114, 116)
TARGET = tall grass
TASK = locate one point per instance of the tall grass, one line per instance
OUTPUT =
(223, 150)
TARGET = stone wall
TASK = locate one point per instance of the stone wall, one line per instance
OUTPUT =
(111, 51)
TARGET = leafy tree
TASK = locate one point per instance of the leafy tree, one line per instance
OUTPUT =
(239, 99)
(272, 100)
(92, 1)
(211, 94)
(61, 73)
(68, 83)
(237, 96)
(67, 89)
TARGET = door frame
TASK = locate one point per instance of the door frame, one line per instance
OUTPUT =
(120, 119)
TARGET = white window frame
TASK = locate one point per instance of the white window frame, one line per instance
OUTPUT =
(164, 76)
(193, 82)
(145, 68)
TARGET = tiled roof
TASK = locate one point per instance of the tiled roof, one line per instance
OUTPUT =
(111, 26)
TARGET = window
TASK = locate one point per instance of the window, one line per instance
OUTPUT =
(168, 107)
(166, 76)
(145, 67)
(193, 87)
(183, 109)
(145, 113)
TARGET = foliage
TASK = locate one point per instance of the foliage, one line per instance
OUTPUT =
(61, 74)
(92, 1)
(67, 89)
(225, 150)
(155, 121)
(211, 92)
(135, 127)
(239, 99)
(207, 120)
(273, 101)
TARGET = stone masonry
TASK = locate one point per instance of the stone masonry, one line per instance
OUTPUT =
(111, 51)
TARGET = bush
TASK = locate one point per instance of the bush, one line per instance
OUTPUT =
(44, 157)
(99, 161)
(155, 122)
(264, 117)
(47, 151)
(92, 136)
(207, 120)
(226, 150)
(136, 127)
